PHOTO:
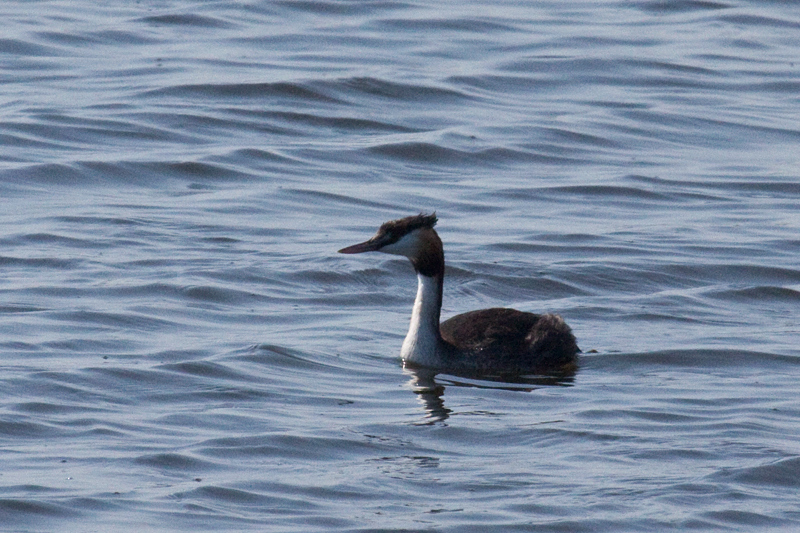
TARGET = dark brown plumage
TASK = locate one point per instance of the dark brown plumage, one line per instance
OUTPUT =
(503, 339)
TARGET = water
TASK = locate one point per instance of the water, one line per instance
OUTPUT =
(182, 349)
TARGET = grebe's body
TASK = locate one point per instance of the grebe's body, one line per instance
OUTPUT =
(489, 340)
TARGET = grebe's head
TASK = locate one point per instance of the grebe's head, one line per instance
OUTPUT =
(412, 237)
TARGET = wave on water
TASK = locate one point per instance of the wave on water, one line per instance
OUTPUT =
(694, 359)
(181, 347)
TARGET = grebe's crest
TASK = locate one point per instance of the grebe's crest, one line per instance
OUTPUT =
(412, 237)
(398, 237)
(394, 230)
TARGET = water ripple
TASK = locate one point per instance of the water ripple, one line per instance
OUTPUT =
(182, 347)
(293, 91)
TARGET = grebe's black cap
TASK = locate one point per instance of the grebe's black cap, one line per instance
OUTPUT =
(391, 232)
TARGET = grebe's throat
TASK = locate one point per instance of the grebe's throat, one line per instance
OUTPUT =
(423, 344)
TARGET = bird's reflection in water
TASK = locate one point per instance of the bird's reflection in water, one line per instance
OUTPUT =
(430, 390)
(430, 393)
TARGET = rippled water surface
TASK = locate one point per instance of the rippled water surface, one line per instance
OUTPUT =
(181, 348)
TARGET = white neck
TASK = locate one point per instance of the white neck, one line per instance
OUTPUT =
(423, 342)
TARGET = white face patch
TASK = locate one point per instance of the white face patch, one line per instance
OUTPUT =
(407, 246)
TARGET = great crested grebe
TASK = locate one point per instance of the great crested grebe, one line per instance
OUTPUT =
(489, 340)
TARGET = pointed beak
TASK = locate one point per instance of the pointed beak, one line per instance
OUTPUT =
(366, 246)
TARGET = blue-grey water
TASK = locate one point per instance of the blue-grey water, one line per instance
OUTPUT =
(181, 349)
